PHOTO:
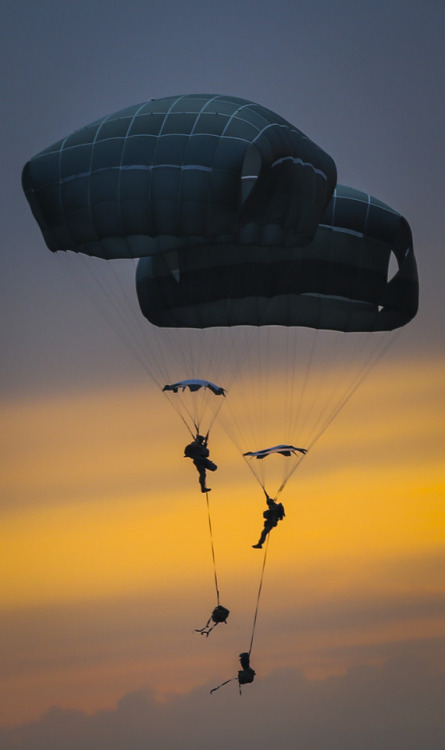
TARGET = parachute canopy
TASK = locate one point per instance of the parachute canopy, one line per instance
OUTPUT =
(195, 385)
(233, 213)
(179, 172)
(242, 238)
(341, 280)
(283, 450)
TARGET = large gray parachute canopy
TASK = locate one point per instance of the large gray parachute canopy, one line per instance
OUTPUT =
(179, 172)
(357, 274)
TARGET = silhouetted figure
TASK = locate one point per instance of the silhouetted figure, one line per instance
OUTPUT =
(219, 614)
(246, 674)
(199, 453)
(273, 514)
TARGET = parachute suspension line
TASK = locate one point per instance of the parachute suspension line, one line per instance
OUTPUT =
(254, 386)
(241, 383)
(160, 351)
(290, 382)
(293, 396)
(327, 380)
(176, 351)
(215, 415)
(260, 392)
(231, 424)
(258, 479)
(307, 371)
(326, 338)
(137, 323)
(338, 394)
(127, 314)
(112, 316)
(320, 386)
(151, 346)
(213, 549)
(239, 332)
(370, 360)
(260, 401)
(179, 408)
(184, 420)
(265, 395)
(260, 588)
(333, 391)
(129, 308)
(364, 371)
(254, 392)
(288, 476)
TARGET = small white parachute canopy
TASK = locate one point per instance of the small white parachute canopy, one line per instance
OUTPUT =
(283, 450)
(195, 385)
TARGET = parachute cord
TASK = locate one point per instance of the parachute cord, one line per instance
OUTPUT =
(281, 487)
(360, 377)
(114, 317)
(288, 476)
(260, 587)
(185, 422)
(212, 421)
(260, 482)
(182, 417)
(213, 549)
(177, 407)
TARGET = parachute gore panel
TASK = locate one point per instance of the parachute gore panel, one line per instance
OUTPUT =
(179, 171)
(340, 281)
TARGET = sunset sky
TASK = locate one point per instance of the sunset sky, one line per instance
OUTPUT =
(104, 536)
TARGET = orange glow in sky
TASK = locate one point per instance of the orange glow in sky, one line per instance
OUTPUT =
(104, 529)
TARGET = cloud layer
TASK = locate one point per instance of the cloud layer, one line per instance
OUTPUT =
(398, 704)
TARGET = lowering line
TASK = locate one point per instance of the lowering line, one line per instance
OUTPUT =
(212, 548)
(242, 674)
(219, 613)
(202, 466)
(215, 575)
(260, 588)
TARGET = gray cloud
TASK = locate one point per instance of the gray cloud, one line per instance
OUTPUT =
(398, 705)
